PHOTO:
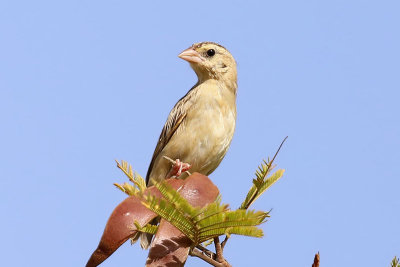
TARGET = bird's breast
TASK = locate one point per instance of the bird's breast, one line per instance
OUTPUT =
(211, 122)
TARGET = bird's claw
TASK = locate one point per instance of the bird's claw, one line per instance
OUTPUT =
(177, 168)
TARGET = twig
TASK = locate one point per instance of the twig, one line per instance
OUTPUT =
(197, 253)
(224, 242)
(279, 149)
(316, 260)
(205, 250)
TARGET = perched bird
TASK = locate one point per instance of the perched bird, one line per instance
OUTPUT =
(200, 127)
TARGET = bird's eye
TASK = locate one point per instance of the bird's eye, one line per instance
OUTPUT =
(210, 52)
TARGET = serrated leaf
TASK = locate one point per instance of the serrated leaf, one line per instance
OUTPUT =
(202, 224)
(139, 184)
(148, 228)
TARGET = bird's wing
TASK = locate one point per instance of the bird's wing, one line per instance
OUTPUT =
(175, 119)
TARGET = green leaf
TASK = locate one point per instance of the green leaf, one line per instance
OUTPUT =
(148, 228)
(139, 184)
(202, 224)
(261, 183)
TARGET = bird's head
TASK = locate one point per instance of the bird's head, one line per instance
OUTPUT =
(211, 61)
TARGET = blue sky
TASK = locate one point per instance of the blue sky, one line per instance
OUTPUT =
(85, 82)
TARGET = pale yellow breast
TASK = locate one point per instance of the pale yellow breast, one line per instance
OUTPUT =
(206, 133)
(209, 128)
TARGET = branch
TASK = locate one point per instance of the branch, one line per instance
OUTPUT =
(197, 253)
(224, 242)
(206, 251)
(215, 259)
(218, 249)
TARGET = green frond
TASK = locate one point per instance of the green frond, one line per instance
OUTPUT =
(246, 231)
(240, 230)
(202, 224)
(148, 228)
(261, 183)
(126, 168)
(233, 218)
(232, 222)
(127, 188)
(139, 184)
(139, 181)
(170, 212)
(395, 262)
(259, 188)
(120, 187)
(210, 211)
(174, 197)
(207, 242)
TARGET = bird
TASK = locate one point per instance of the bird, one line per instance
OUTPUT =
(200, 127)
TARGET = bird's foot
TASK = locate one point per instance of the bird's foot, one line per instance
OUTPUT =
(178, 168)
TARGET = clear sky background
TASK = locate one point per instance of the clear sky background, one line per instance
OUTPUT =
(85, 82)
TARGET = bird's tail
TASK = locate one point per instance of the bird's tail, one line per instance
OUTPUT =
(145, 238)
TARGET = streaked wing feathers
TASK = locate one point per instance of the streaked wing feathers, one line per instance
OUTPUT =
(175, 119)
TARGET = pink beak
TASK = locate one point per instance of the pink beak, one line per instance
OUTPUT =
(191, 56)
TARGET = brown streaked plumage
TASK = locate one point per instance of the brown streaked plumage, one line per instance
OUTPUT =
(200, 127)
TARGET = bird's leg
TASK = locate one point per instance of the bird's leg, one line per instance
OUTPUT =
(177, 168)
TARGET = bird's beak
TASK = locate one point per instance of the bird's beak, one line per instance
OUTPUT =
(191, 56)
